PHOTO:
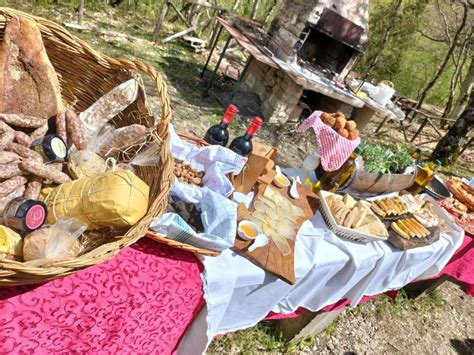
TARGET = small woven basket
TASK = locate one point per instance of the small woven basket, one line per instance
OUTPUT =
(86, 75)
(172, 243)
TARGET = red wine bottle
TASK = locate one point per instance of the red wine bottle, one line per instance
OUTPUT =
(243, 145)
(218, 134)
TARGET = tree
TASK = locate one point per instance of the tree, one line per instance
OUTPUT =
(450, 146)
(80, 13)
(467, 87)
(444, 64)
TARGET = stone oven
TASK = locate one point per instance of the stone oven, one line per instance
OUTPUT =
(315, 38)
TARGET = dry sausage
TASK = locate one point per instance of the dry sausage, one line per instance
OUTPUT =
(8, 157)
(33, 188)
(61, 126)
(20, 120)
(125, 137)
(22, 138)
(6, 138)
(24, 152)
(39, 132)
(44, 171)
(10, 170)
(74, 130)
(5, 199)
(10, 185)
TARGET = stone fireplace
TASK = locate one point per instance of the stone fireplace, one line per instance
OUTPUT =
(321, 37)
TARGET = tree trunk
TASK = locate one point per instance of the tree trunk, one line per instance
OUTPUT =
(160, 20)
(80, 15)
(388, 30)
(256, 4)
(236, 5)
(444, 64)
(450, 146)
(467, 87)
(269, 14)
(459, 65)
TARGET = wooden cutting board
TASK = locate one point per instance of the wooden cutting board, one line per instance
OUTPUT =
(269, 257)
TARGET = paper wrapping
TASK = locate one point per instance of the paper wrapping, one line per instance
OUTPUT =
(111, 199)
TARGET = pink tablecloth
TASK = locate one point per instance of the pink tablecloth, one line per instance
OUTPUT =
(139, 302)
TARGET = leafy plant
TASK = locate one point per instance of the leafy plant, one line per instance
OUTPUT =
(379, 158)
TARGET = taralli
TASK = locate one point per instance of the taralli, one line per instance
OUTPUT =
(22, 120)
(74, 130)
(44, 171)
(10, 170)
(22, 138)
(10, 185)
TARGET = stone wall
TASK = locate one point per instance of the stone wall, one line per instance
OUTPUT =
(280, 95)
(293, 15)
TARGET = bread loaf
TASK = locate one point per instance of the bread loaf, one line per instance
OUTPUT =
(28, 82)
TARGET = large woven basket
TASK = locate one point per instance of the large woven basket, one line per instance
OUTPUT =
(172, 243)
(85, 75)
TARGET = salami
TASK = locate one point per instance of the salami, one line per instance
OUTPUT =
(10, 185)
(40, 132)
(125, 137)
(24, 152)
(61, 126)
(10, 170)
(5, 199)
(8, 157)
(44, 171)
(22, 120)
(22, 138)
(74, 130)
(33, 188)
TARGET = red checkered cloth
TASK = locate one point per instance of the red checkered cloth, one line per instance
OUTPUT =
(333, 148)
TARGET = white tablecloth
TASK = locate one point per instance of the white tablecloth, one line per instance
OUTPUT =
(239, 294)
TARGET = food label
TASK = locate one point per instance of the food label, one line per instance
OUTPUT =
(35, 217)
(59, 148)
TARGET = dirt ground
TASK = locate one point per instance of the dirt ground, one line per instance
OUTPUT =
(440, 324)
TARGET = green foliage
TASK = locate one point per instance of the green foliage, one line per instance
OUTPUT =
(379, 158)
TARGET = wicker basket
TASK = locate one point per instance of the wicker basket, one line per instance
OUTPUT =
(174, 244)
(85, 75)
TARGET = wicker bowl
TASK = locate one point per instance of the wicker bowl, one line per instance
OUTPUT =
(86, 75)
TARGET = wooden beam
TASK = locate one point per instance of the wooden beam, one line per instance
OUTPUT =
(185, 32)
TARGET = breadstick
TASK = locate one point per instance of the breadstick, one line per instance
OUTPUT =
(33, 188)
(24, 152)
(74, 130)
(22, 120)
(39, 132)
(44, 171)
(10, 185)
(10, 170)
(22, 138)
(61, 126)
(8, 157)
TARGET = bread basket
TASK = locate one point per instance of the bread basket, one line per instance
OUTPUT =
(85, 75)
